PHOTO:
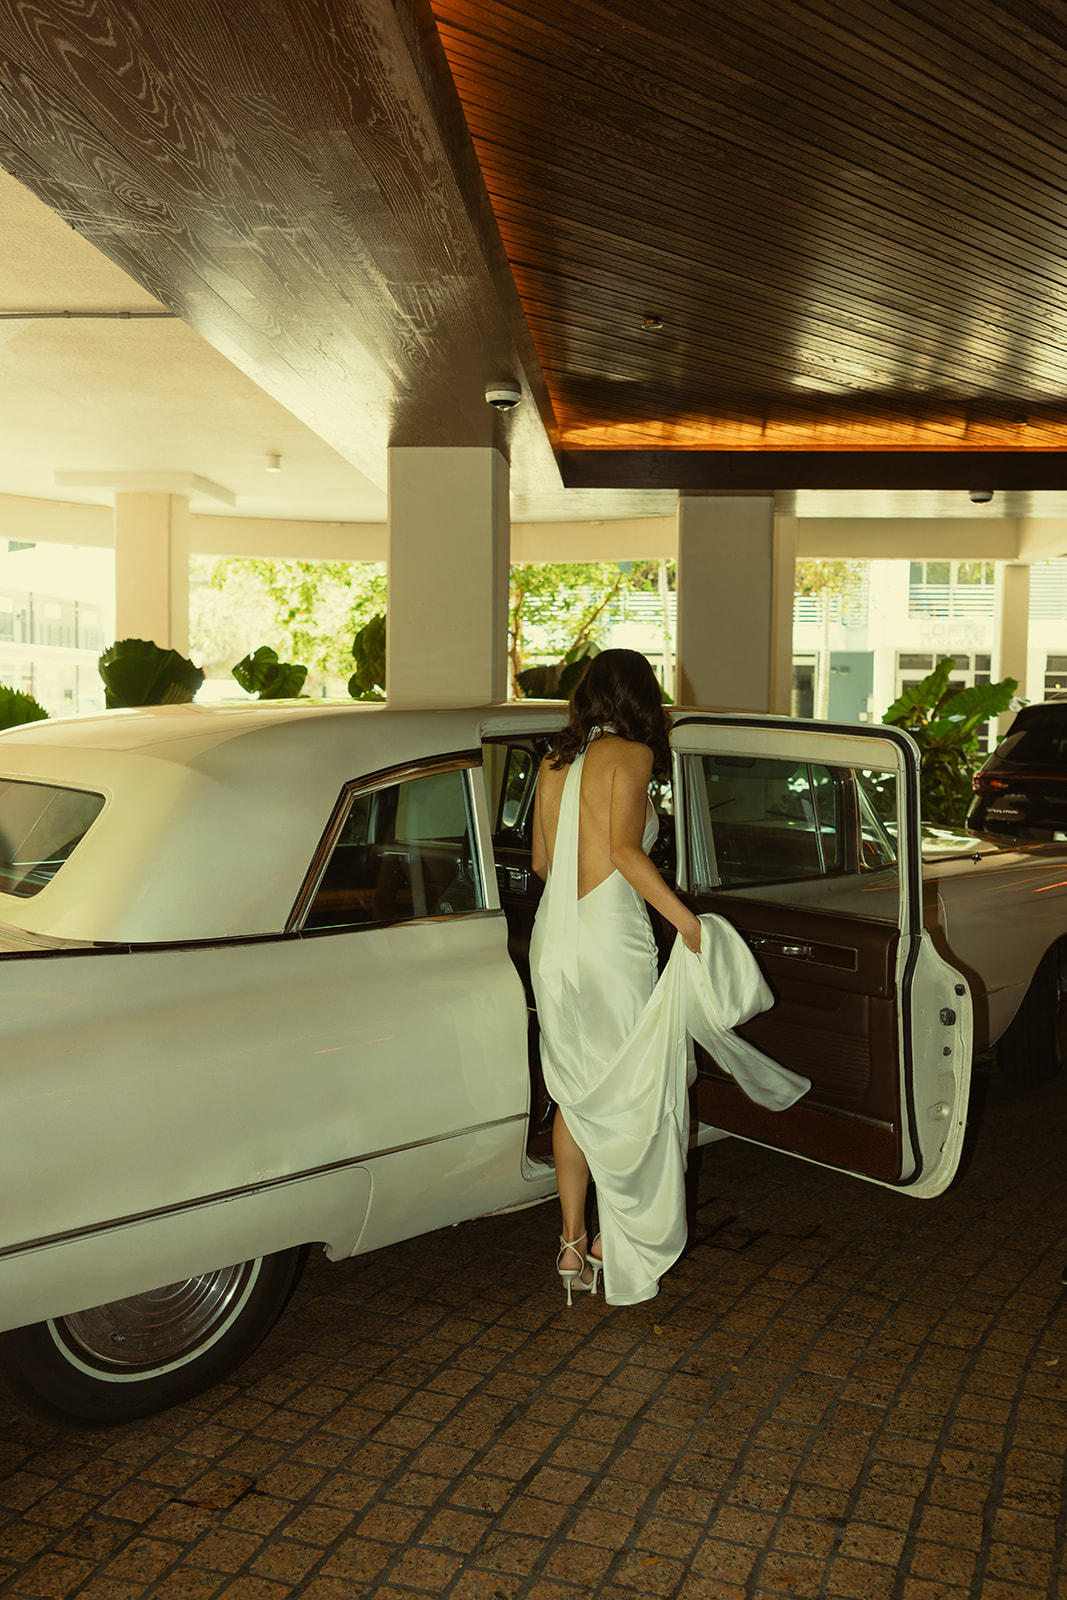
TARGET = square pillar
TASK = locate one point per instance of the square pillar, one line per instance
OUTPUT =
(1012, 631)
(152, 569)
(736, 564)
(449, 543)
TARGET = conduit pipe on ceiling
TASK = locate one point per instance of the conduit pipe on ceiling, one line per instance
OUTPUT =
(70, 316)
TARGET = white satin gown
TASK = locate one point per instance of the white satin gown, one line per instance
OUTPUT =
(614, 1048)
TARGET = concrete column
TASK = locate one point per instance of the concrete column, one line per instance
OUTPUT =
(449, 530)
(152, 569)
(736, 566)
(783, 590)
(1011, 635)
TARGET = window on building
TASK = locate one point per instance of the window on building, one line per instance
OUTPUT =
(1055, 675)
(951, 588)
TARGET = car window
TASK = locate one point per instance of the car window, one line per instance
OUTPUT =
(1037, 738)
(787, 830)
(510, 772)
(511, 776)
(402, 851)
(39, 827)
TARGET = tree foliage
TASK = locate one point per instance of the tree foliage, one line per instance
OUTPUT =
(569, 603)
(828, 578)
(309, 610)
(945, 723)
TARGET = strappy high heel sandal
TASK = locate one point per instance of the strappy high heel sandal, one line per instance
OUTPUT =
(569, 1274)
(597, 1264)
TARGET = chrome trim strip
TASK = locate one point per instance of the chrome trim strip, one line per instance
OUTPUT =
(93, 1228)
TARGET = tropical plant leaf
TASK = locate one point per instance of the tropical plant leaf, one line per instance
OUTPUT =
(557, 680)
(368, 652)
(944, 722)
(914, 706)
(582, 653)
(17, 708)
(571, 676)
(963, 713)
(138, 672)
(540, 682)
(263, 674)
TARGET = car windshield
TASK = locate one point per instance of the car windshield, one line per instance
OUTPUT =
(39, 827)
(1037, 739)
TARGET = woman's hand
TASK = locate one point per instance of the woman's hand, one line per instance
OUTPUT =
(691, 936)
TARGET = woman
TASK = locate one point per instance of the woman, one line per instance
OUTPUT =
(593, 961)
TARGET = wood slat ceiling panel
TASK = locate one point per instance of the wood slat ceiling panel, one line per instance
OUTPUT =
(860, 326)
(746, 141)
(887, 238)
(850, 218)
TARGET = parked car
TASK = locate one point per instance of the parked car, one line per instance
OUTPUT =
(264, 975)
(1021, 791)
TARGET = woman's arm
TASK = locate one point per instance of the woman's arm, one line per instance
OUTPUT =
(629, 798)
(539, 858)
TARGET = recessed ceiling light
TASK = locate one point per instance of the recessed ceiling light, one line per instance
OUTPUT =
(274, 463)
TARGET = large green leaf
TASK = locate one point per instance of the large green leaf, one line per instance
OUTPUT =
(944, 722)
(915, 705)
(963, 714)
(368, 652)
(540, 682)
(263, 674)
(557, 680)
(17, 708)
(138, 672)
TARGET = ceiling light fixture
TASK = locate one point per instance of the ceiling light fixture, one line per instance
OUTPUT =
(981, 497)
(274, 463)
(652, 324)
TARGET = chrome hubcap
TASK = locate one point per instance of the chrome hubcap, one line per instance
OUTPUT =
(161, 1326)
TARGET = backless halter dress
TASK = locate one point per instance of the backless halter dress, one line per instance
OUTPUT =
(593, 962)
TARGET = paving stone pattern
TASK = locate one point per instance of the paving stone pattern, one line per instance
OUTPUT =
(839, 1392)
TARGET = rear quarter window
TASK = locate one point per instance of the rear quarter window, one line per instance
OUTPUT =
(1037, 739)
(40, 825)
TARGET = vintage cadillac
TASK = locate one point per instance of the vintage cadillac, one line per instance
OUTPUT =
(264, 988)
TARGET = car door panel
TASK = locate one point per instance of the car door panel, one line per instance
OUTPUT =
(775, 836)
(833, 1020)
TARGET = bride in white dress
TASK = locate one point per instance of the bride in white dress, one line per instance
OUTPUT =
(593, 962)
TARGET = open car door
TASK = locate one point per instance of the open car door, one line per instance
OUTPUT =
(805, 836)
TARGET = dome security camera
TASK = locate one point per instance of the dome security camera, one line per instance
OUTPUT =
(503, 396)
(981, 497)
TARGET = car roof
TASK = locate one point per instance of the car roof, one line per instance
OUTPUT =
(213, 812)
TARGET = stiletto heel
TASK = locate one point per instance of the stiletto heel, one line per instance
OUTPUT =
(569, 1274)
(597, 1264)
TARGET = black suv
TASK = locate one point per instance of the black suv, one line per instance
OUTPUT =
(1021, 790)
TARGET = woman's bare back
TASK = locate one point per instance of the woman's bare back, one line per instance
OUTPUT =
(613, 804)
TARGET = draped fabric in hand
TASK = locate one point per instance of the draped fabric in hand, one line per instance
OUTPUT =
(614, 1048)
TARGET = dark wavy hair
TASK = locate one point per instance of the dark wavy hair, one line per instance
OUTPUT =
(619, 690)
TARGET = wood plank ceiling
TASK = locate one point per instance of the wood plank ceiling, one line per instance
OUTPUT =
(763, 243)
(782, 226)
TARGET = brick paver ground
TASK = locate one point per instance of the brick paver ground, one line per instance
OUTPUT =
(839, 1392)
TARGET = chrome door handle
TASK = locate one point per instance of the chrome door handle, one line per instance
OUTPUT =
(779, 947)
(512, 880)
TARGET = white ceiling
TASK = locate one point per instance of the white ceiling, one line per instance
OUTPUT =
(135, 396)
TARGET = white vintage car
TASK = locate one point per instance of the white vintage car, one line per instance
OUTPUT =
(264, 988)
